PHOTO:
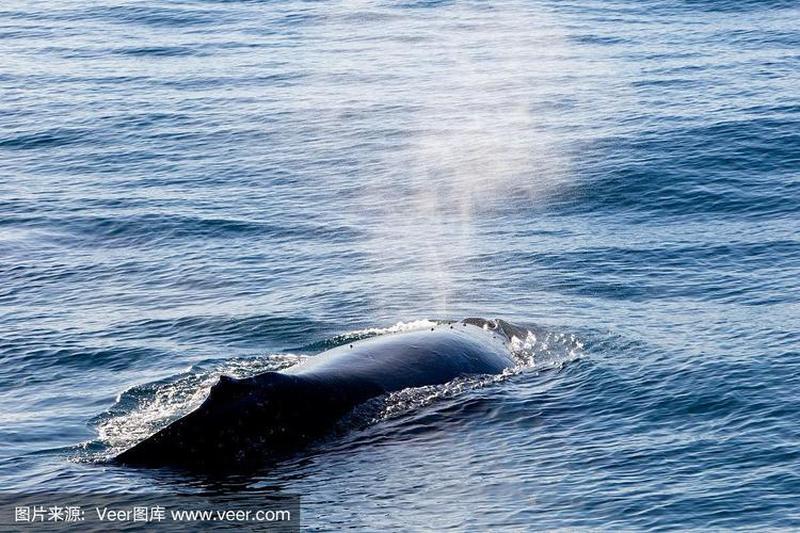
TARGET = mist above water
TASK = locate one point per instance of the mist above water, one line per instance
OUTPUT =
(481, 107)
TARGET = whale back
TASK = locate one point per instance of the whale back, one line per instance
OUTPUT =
(248, 421)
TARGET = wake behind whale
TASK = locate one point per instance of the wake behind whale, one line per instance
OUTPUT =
(247, 421)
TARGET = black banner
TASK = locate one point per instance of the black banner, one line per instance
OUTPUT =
(249, 511)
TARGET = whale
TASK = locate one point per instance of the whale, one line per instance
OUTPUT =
(247, 421)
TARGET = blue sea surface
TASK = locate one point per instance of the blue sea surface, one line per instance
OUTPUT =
(202, 187)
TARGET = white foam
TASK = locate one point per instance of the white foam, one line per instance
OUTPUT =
(397, 328)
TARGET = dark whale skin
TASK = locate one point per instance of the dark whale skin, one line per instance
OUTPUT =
(247, 421)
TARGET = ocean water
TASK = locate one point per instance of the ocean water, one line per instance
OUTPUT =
(192, 188)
